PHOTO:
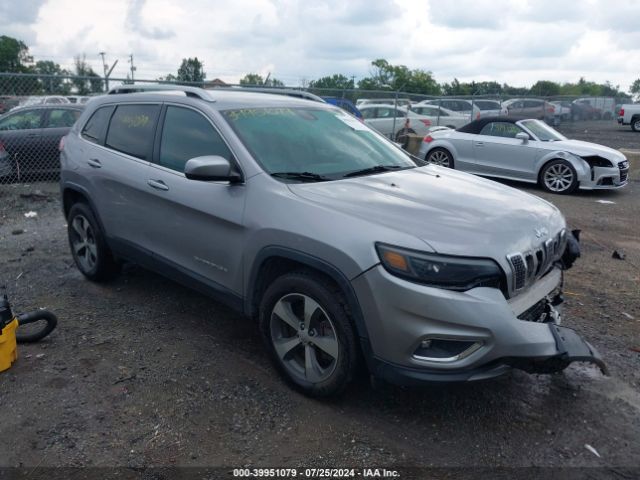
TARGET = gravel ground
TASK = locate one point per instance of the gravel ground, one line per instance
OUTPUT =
(145, 373)
(604, 132)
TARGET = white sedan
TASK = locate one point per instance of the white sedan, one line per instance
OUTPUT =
(440, 115)
(390, 121)
(527, 150)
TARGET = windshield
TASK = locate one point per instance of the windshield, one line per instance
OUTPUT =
(542, 131)
(327, 143)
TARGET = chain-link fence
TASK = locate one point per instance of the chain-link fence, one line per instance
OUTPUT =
(36, 111)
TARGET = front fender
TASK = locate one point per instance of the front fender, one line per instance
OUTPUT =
(581, 167)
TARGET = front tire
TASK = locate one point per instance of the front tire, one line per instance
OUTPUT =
(305, 325)
(88, 245)
(440, 156)
(559, 176)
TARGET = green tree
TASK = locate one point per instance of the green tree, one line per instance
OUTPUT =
(252, 79)
(52, 81)
(274, 82)
(337, 81)
(86, 80)
(14, 55)
(399, 78)
(170, 77)
(545, 88)
(635, 89)
(191, 70)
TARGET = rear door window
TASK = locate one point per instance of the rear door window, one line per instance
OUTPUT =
(96, 127)
(188, 134)
(59, 118)
(132, 128)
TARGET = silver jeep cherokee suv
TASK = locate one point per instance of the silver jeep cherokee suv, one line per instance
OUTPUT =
(338, 243)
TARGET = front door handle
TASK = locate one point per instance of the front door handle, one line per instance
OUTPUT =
(157, 184)
(479, 144)
(94, 162)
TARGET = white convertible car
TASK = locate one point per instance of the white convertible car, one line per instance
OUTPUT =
(529, 151)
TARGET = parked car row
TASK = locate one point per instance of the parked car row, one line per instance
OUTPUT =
(10, 102)
(29, 139)
(346, 252)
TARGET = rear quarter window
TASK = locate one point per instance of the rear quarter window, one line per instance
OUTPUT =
(96, 126)
(132, 128)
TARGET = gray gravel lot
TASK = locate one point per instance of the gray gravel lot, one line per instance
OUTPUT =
(143, 372)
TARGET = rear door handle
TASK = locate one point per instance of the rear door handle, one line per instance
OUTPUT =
(479, 144)
(33, 135)
(157, 184)
(94, 162)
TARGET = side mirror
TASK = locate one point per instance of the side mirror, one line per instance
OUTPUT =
(524, 137)
(211, 168)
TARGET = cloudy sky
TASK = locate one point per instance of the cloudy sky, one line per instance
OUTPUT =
(513, 41)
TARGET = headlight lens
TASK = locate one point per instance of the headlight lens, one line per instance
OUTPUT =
(441, 271)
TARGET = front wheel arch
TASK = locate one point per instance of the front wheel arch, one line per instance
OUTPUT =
(274, 261)
(557, 160)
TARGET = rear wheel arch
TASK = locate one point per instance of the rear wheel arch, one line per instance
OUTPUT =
(446, 150)
(73, 194)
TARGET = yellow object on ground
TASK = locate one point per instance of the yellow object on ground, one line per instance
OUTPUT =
(8, 347)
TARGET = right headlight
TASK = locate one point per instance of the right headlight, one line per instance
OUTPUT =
(441, 271)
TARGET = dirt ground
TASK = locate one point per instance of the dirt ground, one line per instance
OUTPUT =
(143, 372)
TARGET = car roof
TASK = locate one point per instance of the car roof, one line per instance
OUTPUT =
(216, 99)
(50, 106)
(477, 125)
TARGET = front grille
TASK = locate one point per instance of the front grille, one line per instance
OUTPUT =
(527, 267)
(519, 270)
(624, 170)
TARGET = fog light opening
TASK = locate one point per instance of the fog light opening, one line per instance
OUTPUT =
(445, 350)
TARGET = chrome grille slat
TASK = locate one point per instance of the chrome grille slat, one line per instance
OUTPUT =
(527, 267)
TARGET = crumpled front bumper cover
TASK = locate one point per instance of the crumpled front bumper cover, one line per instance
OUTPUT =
(571, 348)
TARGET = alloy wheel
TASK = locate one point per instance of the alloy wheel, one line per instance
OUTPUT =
(558, 177)
(439, 158)
(83, 243)
(304, 338)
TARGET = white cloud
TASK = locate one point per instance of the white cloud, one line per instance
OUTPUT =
(514, 41)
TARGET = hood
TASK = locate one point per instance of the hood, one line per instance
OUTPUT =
(580, 148)
(453, 212)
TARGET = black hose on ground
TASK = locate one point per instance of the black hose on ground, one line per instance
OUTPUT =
(32, 317)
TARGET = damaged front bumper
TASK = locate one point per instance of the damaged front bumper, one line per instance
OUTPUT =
(423, 334)
(571, 348)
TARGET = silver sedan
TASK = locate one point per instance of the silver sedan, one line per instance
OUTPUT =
(529, 151)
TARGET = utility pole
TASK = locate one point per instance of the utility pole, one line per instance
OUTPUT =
(133, 68)
(107, 70)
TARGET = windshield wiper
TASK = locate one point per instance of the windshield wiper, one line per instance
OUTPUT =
(376, 169)
(302, 176)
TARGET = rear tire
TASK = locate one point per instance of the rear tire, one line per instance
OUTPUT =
(635, 124)
(305, 325)
(88, 245)
(559, 176)
(440, 156)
